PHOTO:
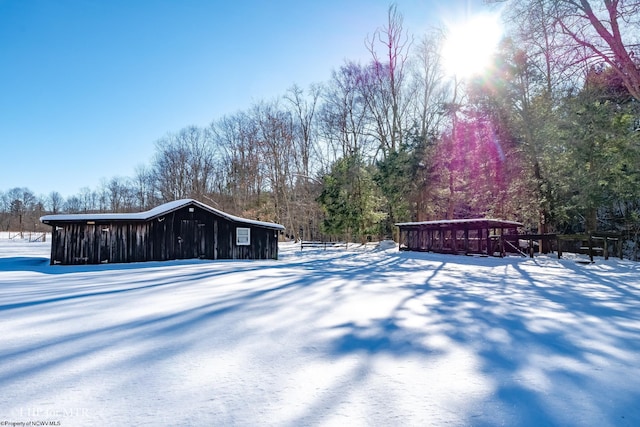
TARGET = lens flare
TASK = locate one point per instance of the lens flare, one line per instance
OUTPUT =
(470, 44)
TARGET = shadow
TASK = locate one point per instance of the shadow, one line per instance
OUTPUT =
(381, 336)
(545, 341)
(140, 279)
(23, 263)
(497, 341)
(41, 265)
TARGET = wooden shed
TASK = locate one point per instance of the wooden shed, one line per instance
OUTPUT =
(458, 236)
(181, 229)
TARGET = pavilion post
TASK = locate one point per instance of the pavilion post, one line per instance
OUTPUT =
(466, 241)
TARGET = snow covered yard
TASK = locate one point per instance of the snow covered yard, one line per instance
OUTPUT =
(339, 337)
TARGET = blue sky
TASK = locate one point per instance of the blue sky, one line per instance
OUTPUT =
(88, 86)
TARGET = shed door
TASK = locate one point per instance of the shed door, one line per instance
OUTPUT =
(104, 244)
(191, 239)
(201, 236)
(186, 239)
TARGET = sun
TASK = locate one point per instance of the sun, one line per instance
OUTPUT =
(470, 44)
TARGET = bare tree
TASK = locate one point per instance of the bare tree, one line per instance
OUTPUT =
(56, 202)
(103, 196)
(170, 170)
(240, 180)
(4, 211)
(429, 91)
(385, 92)
(73, 205)
(88, 198)
(183, 164)
(343, 114)
(603, 31)
(533, 28)
(118, 196)
(304, 111)
(143, 187)
(21, 201)
(605, 28)
(305, 188)
(275, 139)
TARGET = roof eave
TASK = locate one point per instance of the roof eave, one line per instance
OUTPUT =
(152, 214)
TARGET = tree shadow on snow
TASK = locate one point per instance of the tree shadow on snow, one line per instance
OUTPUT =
(552, 349)
(556, 350)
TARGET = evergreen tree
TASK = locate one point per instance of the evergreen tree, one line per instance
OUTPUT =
(395, 179)
(350, 201)
(602, 155)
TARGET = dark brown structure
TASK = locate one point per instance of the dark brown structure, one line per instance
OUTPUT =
(181, 229)
(458, 236)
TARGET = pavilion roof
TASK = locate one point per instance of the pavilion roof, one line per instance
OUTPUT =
(461, 224)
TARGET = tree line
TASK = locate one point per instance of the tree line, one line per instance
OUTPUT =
(549, 135)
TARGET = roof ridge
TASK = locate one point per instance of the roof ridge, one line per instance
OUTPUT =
(152, 213)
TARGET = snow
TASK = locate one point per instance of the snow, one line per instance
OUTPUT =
(152, 213)
(492, 222)
(363, 336)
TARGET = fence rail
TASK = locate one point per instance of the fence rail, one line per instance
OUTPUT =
(321, 244)
(591, 244)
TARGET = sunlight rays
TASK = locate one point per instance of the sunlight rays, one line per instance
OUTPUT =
(470, 44)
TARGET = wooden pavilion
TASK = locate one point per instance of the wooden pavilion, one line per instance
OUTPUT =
(459, 236)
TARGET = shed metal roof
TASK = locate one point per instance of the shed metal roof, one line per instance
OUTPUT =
(152, 214)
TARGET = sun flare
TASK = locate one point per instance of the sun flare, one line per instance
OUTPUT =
(470, 44)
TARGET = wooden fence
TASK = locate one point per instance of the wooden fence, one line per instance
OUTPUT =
(591, 244)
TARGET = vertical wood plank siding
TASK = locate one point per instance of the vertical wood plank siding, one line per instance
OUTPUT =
(177, 235)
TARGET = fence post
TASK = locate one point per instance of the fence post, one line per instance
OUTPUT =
(531, 248)
(620, 244)
(559, 246)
